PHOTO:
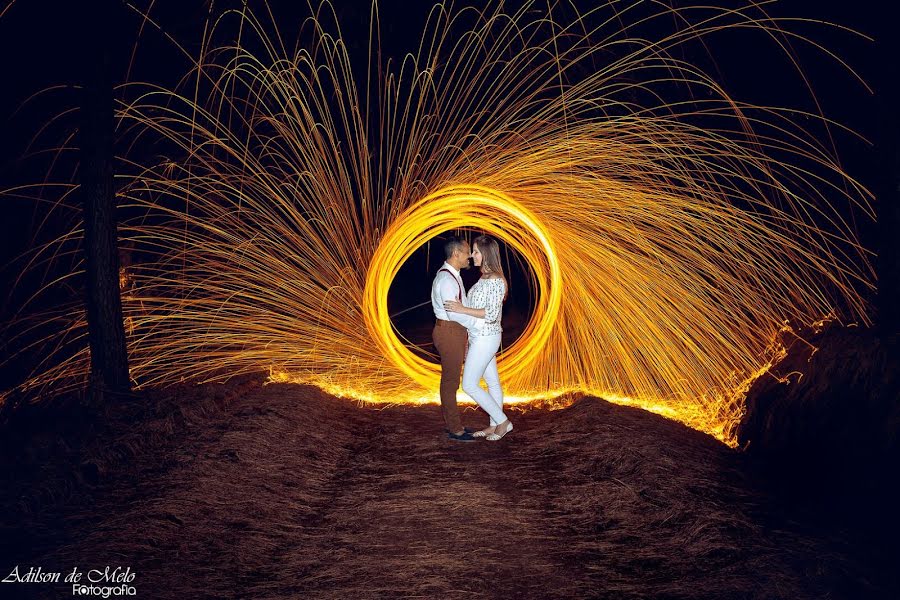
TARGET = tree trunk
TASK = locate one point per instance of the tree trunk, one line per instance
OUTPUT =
(109, 357)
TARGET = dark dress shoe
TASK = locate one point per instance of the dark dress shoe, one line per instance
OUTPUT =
(461, 437)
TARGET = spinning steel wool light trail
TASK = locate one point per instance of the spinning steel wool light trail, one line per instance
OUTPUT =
(671, 229)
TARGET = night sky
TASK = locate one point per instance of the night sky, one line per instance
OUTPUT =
(40, 40)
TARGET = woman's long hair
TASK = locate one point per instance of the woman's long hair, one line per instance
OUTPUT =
(490, 258)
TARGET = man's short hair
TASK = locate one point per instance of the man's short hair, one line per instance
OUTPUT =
(453, 243)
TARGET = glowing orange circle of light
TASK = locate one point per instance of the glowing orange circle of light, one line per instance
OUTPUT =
(457, 207)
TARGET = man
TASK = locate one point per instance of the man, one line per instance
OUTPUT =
(450, 332)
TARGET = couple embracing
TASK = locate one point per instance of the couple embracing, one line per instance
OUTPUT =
(467, 334)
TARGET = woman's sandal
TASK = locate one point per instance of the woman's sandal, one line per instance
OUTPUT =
(483, 432)
(501, 430)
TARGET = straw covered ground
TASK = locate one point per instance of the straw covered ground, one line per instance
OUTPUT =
(245, 491)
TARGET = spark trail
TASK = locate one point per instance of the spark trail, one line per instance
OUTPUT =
(672, 230)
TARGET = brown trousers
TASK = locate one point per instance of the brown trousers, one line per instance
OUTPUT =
(450, 339)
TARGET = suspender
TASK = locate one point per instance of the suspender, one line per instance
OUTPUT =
(459, 298)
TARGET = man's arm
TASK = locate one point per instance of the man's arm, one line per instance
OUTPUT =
(448, 289)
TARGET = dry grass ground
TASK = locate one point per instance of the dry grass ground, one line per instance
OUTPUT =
(243, 491)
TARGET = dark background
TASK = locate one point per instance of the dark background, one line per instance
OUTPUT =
(41, 43)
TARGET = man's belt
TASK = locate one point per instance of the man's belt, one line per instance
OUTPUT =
(443, 323)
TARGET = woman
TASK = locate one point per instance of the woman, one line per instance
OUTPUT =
(485, 300)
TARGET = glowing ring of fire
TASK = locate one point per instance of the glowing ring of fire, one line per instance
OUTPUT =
(457, 207)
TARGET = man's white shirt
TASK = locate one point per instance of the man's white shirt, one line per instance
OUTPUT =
(449, 286)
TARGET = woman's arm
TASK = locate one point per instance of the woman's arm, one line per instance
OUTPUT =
(454, 306)
(494, 303)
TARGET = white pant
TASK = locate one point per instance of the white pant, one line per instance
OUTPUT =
(481, 361)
